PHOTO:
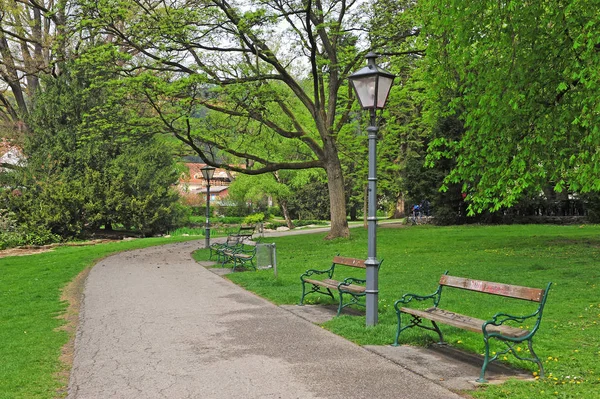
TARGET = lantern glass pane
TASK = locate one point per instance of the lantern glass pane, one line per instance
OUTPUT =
(383, 90)
(207, 172)
(365, 90)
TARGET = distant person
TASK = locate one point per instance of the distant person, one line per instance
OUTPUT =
(416, 213)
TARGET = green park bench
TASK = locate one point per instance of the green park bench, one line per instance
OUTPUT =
(349, 287)
(242, 255)
(233, 241)
(496, 328)
(246, 232)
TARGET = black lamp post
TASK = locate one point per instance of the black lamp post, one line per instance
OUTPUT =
(207, 173)
(372, 85)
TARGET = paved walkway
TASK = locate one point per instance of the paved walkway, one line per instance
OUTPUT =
(155, 324)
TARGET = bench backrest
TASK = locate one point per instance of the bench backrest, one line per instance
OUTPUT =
(246, 231)
(511, 291)
(233, 240)
(339, 260)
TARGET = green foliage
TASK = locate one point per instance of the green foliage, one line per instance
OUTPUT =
(523, 78)
(8, 220)
(141, 192)
(14, 235)
(229, 220)
(81, 172)
(310, 202)
(254, 218)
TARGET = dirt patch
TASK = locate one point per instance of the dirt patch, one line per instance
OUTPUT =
(34, 249)
(72, 293)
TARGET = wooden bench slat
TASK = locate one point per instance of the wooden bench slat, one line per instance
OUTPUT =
(464, 322)
(360, 263)
(506, 290)
(352, 287)
(333, 285)
(327, 284)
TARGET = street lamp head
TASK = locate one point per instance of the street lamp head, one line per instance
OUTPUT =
(207, 172)
(372, 84)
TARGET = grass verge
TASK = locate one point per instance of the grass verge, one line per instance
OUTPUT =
(32, 333)
(415, 257)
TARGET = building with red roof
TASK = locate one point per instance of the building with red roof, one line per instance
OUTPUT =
(192, 185)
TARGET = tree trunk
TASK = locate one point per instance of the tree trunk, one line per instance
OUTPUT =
(337, 199)
(399, 211)
(353, 212)
(286, 214)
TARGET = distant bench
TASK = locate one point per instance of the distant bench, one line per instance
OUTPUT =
(349, 287)
(246, 232)
(234, 250)
(218, 248)
(494, 328)
(242, 255)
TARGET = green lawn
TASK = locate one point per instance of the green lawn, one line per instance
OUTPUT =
(30, 338)
(415, 257)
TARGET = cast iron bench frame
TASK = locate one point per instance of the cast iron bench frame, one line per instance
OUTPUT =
(493, 328)
(233, 242)
(349, 286)
(242, 255)
(246, 232)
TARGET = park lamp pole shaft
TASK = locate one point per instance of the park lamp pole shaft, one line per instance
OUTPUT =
(207, 231)
(372, 85)
(372, 264)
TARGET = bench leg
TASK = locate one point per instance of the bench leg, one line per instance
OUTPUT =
(416, 322)
(486, 360)
(354, 301)
(399, 329)
(535, 359)
(314, 289)
(439, 332)
(341, 306)
(301, 303)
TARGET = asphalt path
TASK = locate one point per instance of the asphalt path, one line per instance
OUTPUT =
(156, 324)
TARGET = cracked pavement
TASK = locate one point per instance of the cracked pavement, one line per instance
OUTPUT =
(156, 324)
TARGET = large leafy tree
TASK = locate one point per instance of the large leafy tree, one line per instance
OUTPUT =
(524, 78)
(81, 175)
(33, 37)
(393, 30)
(276, 69)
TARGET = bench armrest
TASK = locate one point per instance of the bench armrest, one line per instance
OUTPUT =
(500, 318)
(244, 250)
(349, 281)
(407, 298)
(310, 272)
(352, 280)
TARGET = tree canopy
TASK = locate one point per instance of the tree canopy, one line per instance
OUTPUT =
(523, 77)
(247, 79)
